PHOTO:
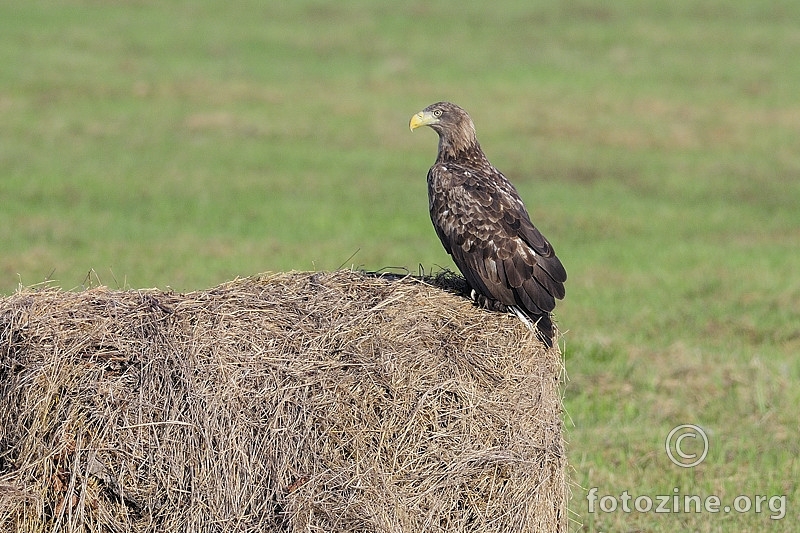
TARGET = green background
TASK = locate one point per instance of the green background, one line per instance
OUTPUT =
(657, 145)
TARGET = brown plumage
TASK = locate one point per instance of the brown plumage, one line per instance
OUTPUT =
(485, 227)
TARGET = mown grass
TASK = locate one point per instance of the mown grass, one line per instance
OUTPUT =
(182, 144)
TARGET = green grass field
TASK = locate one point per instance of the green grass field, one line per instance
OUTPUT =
(657, 145)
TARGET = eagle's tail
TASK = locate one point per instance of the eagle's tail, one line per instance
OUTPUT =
(541, 325)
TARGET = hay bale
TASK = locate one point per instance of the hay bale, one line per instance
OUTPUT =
(336, 402)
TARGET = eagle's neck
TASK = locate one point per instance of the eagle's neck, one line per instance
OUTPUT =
(459, 143)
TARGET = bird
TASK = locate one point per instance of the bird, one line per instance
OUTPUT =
(484, 225)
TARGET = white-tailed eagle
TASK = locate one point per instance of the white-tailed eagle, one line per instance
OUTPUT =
(484, 226)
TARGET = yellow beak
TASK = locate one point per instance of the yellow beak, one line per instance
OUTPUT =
(422, 118)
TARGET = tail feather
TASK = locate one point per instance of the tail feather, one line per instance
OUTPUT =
(541, 325)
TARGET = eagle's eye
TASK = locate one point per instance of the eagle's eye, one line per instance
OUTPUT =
(437, 113)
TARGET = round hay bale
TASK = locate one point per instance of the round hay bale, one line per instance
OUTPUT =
(337, 402)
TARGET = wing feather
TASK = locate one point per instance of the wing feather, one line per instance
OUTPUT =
(513, 275)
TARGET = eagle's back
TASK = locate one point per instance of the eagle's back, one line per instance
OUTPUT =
(483, 224)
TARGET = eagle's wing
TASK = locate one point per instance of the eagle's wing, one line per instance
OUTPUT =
(485, 227)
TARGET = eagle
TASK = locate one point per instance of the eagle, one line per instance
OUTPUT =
(483, 224)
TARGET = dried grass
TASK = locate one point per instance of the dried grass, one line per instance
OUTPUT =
(292, 402)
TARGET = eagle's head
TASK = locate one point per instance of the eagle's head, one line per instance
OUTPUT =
(455, 128)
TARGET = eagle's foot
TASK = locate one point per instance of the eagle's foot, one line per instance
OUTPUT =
(486, 302)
